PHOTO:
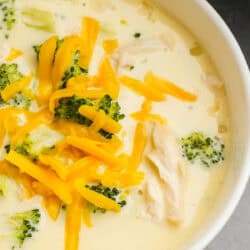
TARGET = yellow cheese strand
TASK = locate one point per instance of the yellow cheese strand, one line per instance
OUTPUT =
(15, 87)
(56, 165)
(53, 206)
(168, 87)
(107, 79)
(110, 46)
(140, 141)
(14, 53)
(64, 58)
(94, 149)
(105, 122)
(46, 57)
(46, 177)
(89, 35)
(73, 222)
(140, 88)
(97, 199)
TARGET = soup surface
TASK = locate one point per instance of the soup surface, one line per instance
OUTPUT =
(163, 155)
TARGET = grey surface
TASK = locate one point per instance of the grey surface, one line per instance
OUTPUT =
(236, 234)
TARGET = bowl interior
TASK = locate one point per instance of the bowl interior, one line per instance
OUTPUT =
(202, 20)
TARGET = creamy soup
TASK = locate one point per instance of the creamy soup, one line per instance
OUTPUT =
(142, 177)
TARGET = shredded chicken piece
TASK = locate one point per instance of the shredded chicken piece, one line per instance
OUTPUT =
(100, 5)
(212, 81)
(165, 157)
(127, 55)
(154, 199)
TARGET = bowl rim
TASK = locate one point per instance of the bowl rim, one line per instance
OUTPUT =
(243, 178)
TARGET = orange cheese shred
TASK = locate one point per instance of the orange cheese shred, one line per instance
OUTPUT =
(40, 189)
(46, 177)
(110, 46)
(94, 149)
(168, 87)
(101, 120)
(46, 57)
(15, 87)
(89, 35)
(14, 53)
(87, 215)
(107, 79)
(140, 141)
(64, 57)
(149, 92)
(53, 206)
(55, 164)
(95, 198)
(80, 82)
(21, 178)
(73, 222)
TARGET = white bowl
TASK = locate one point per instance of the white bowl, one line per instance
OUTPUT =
(203, 21)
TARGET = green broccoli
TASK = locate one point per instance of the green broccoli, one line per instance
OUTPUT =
(110, 107)
(8, 74)
(25, 225)
(20, 100)
(3, 185)
(68, 110)
(39, 19)
(37, 49)
(8, 13)
(7, 148)
(111, 193)
(198, 147)
(74, 70)
(38, 141)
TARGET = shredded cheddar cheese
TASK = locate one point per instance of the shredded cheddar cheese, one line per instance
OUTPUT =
(46, 57)
(97, 199)
(110, 46)
(140, 88)
(168, 87)
(107, 79)
(47, 178)
(14, 53)
(89, 34)
(105, 122)
(15, 87)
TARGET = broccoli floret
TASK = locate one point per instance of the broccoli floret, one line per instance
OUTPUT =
(68, 110)
(38, 141)
(8, 74)
(74, 70)
(20, 100)
(111, 193)
(37, 49)
(3, 185)
(25, 224)
(39, 19)
(110, 107)
(198, 147)
(7, 148)
(8, 13)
